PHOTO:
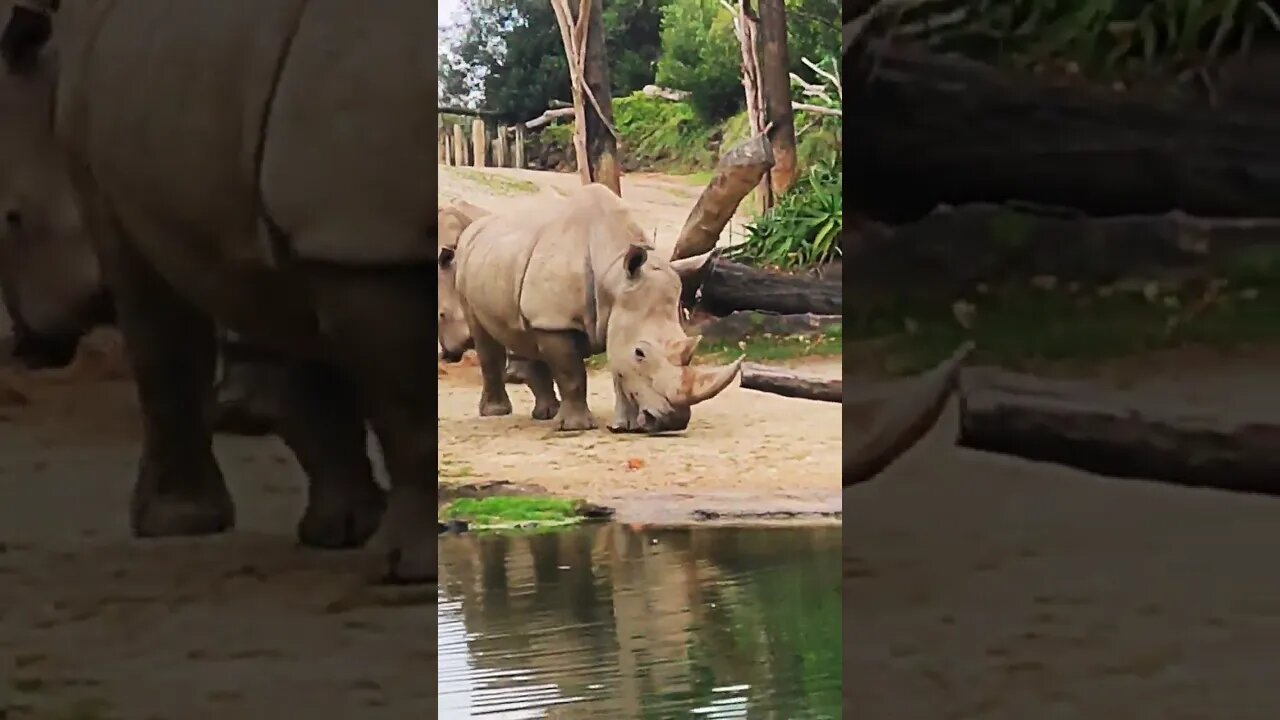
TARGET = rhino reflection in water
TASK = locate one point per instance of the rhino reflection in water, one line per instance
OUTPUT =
(579, 279)
(286, 197)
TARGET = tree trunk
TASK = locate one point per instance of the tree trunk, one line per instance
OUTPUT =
(787, 384)
(1115, 433)
(602, 146)
(730, 286)
(900, 423)
(738, 171)
(924, 129)
(775, 82)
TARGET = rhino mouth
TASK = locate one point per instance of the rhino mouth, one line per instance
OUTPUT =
(675, 420)
(454, 355)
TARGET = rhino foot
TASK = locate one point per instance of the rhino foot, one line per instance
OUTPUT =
(546, 410)
(625, 426)
(339, 520)
(203, 508)
(494, 406)
(574, 421)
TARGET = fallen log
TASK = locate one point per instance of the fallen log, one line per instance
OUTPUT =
(948, 253)
(738, 171)
(1115, 433)
(746, 323)
(925, 129)
(900, 422)
(787, 384)
(730, 286)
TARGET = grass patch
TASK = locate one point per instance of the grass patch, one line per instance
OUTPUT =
(513, 512)
(497, 183)
(1025, 328)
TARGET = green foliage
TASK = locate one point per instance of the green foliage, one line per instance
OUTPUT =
(803, 228)
(660, 133)
(505, 511)
(700, 54)
(1103, 38)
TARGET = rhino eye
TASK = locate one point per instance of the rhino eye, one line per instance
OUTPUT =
(639, 354)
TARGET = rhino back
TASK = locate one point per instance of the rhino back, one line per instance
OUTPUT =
(164, 102)
(349, 165)
(491, 258)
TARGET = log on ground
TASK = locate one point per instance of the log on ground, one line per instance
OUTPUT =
(745, 323)
(923, 129)
(901, 420)
(952, 250)
(1116, 433)
(731, 286)
(789, 384)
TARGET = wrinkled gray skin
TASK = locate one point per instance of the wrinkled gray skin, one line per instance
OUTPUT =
(580, 279)
(215, 198)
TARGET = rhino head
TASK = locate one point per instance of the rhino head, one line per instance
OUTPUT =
(649, 353)
(453, 331)
(50, 280)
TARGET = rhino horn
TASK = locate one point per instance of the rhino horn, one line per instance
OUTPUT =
(693, 272)
(702, 384)
(691, 266)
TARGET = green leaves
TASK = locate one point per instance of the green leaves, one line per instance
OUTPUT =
(1104, 38)
(803, 228)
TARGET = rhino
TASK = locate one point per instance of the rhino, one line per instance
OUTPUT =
(576, 280)
(454, 334)
(266, 167)
(50, 283)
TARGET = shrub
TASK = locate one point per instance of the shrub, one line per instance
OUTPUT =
(803, 227)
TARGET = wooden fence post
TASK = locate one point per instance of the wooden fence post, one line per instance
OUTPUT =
(519, 153)
(459, 146)
(478, 143)
(500, 147)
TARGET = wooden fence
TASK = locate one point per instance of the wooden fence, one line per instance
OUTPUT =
(487, 145)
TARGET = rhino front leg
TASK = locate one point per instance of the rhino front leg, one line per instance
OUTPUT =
(171, 346)
(537, 375)
(322, 424)
(626, 414)
(562, 352)
(494, 399)
(380, 323)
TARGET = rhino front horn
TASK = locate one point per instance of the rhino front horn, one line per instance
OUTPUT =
(705, 383)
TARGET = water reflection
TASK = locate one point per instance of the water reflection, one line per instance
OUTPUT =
(712, 623)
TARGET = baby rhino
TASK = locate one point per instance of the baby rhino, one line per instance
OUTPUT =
(575, 280)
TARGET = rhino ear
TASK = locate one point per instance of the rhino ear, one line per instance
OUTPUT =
(634, 260)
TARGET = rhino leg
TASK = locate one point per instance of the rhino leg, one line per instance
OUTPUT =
(626, 414)
(494, 400)
(247, 395)
(323, 425)
(562, 351)
(517, 371)
(381, 326)
(537, 375)
(171, 346)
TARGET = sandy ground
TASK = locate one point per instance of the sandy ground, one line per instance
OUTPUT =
(988, 588)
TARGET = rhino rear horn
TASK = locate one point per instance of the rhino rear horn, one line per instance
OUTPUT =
(701, 384)
(23, 39)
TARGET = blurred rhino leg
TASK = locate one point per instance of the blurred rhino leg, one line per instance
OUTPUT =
(538, 378)
(494, 400)
(561, 351)
(323, 425)
(380, 323)
(171, 346)
(517, 371)
(247, 399)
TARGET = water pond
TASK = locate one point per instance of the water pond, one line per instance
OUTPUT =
(606, 621)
